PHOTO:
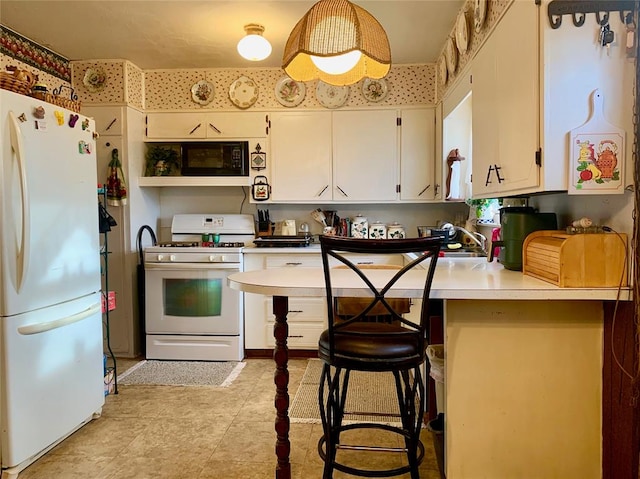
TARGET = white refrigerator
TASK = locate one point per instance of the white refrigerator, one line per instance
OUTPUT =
(51, 348)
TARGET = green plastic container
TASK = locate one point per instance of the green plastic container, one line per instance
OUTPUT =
(515, 227)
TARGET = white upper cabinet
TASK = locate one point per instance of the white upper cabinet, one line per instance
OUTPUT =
(506, 105)
(532, 85)
(109, 119)
(301, 156)
(417, 149)
(365, 155)
(346, 156)
(206, 126)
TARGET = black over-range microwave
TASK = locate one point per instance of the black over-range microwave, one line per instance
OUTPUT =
(215, 158)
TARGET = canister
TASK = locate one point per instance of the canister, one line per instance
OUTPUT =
(395, 231)
(360, 227)
(377, 230)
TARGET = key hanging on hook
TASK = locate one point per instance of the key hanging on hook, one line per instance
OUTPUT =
(606, 36)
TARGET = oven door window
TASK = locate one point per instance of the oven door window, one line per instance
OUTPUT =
(191, 301)
(197, 297)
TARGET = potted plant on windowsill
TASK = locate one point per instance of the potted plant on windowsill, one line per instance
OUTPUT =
(162, 160)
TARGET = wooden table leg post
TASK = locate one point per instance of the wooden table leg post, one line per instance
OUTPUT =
(281, 379)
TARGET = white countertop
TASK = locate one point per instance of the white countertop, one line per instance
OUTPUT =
(312, 248)
(455, 278)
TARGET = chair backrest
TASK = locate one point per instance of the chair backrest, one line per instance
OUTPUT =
(336, 253)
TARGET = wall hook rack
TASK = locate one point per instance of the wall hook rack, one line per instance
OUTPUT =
(579, 8)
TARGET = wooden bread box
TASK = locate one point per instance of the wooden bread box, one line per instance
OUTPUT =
(593, 260)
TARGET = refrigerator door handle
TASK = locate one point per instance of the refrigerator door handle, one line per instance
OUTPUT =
(23, 254)
(60, 322)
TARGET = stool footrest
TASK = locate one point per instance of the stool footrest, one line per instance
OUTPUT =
(352, 447)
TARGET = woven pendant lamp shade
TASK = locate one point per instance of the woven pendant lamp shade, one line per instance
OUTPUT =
(335, 27)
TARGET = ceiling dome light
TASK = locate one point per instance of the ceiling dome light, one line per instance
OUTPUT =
(254, 46)
(337, 28)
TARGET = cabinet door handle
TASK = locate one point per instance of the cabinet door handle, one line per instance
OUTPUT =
(364, 262)
(342, 191)
(486, 183)
(195, 128)
(110, 124)
(293, 264)
(295, 311)
(498, 168)
(296, 336)
(323, 190)
(212, 126)
(425, 189)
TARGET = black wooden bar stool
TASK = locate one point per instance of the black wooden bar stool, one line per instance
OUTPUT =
(353, 342)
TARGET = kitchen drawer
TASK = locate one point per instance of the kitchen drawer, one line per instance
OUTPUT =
(293, 261)
(382, 259)
(301, 336)
(306, 310)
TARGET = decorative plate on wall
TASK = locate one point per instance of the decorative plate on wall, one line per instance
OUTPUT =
(290, 92)
(375, 90)
(462, 33)
(243, 92)
(479, 14)
(203, 92)
(442, 70)
(451, 55)
(331, 96)
(95, 79)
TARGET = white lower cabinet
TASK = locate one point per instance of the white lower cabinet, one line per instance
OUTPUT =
(306, 316)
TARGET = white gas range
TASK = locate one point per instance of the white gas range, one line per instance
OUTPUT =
(191, 313)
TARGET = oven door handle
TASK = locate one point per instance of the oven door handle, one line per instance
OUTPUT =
(190, 266)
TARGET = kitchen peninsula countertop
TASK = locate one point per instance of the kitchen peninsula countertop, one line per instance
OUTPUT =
(455, 278)
(520, 352)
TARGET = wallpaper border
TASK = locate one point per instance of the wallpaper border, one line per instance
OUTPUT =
(27, 51)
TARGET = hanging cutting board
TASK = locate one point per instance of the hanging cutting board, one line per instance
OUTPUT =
(597, 149)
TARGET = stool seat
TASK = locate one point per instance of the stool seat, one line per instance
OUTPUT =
(372, 347)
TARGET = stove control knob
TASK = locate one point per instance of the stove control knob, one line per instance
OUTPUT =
(172, 257)
(212, 258)
(160, 257)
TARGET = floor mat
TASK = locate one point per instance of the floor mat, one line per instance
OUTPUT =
(368, 392)
(182, 373)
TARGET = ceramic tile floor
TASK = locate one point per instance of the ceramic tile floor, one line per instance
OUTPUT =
(164, 432)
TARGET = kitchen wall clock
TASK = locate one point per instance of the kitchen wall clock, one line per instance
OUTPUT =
(243, 92)
(375, 90)
(289, 92)
(451, 55)
(462, 33)
(203, 92)
(479, 14)
(331, 96)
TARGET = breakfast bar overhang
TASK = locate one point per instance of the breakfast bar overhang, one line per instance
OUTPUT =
(524, 366)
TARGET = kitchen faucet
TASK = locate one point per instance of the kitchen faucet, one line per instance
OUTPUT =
(478, 239)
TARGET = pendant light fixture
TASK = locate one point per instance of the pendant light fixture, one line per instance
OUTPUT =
(337, 42)
(254, 46)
